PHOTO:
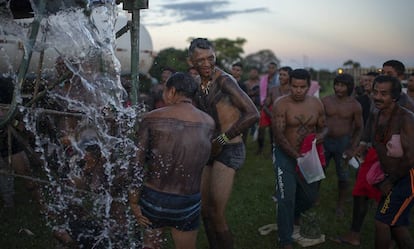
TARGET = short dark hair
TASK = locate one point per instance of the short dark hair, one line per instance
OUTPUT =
(395, 85)
(372, 73)
(286, 69)
(202, 43)
(183, 83)
(301, 74)
(172, 70)
(346, 79)
(237, 64)
(397, 65)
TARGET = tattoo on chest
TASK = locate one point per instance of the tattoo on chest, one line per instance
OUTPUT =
(303, 127)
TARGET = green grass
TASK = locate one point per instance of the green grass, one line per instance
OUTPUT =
(249, 208)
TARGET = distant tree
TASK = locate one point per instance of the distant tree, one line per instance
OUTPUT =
(169, 57)
(351, 64)
(228, 51)
(260, 59)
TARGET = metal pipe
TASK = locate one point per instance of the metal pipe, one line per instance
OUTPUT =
(135, 56)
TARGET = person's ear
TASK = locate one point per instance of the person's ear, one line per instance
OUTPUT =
(189, 62)
(170, 94)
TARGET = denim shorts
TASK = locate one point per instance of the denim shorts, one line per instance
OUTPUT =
(232, 155)
(171, 210)
(334, 149)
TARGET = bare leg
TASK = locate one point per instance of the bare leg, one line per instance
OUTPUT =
(360, 209)
(206, 207)
(184, 240)
(221, 183)
(342, 193)
(403, 237)
(260, 139)
(382, 235)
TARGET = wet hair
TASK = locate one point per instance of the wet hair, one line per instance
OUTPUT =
(346, 79)
(397, 65)
(202, 43)
(286, 69)
(300, 74)
(395, 85)
(183, 83)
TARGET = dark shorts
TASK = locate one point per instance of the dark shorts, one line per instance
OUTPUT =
(171, 210)
(394, 209)
(232, 155)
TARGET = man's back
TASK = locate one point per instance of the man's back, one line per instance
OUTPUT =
(173, 136)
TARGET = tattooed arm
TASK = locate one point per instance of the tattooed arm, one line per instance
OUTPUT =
(279, 121)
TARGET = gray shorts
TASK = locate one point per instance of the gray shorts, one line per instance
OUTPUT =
(232, 155)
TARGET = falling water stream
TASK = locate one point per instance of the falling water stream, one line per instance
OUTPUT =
(81, 126)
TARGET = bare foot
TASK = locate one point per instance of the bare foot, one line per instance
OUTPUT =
(351, 238)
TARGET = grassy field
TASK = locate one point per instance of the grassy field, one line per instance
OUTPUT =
(249, 208)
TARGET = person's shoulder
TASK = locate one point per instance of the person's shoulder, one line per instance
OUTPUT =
(406, 113)
(157, 113)
(282, 100)
(314, 101)
(327, 98)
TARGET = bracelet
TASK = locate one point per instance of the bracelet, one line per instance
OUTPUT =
(222, 139)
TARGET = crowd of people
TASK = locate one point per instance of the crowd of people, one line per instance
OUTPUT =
(193, 141)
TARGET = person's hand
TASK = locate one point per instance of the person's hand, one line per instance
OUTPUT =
(348, 154)
(319, 138)
(217, 144)
(361, 150)
(142, 220)
(216, 148)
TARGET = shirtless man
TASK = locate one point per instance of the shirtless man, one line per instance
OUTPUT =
(393, 212)
(266, 82)
(174, 144)
(221, 97)
(252, 86)
(345, 126)
(362, 190)
(294, 117)
(396, 69)
(279, 90)
(157, 90)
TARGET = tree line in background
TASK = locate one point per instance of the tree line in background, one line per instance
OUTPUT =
(228, 52)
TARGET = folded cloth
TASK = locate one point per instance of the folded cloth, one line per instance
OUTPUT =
(361, 186)
(375, 174)
(394, 147)
(307, 146)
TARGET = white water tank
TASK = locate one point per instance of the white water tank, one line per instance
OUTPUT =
(11, 48)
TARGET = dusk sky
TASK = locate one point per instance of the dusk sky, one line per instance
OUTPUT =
(322, 34)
